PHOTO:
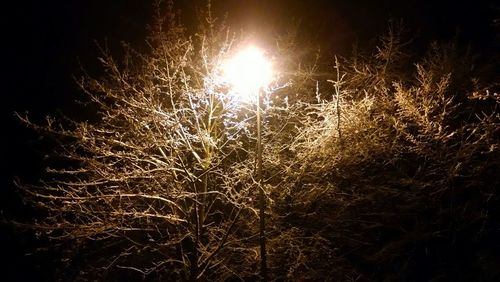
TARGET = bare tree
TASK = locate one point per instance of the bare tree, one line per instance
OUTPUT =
(166, 167)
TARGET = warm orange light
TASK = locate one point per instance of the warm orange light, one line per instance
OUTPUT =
(247, 72)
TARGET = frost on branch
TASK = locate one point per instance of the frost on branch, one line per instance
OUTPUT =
(164, 169)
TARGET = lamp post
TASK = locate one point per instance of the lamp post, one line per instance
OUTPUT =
(248, 71)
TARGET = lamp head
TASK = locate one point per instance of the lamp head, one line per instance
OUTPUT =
(247, 71)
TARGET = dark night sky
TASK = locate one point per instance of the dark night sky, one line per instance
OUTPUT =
(43, 41)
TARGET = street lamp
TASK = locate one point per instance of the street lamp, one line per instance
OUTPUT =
(247, 72)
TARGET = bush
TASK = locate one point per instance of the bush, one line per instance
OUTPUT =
(402, 184)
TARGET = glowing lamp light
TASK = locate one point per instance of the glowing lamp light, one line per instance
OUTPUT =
(247, 72)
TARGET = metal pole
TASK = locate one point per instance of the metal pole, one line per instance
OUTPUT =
(262, 200)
